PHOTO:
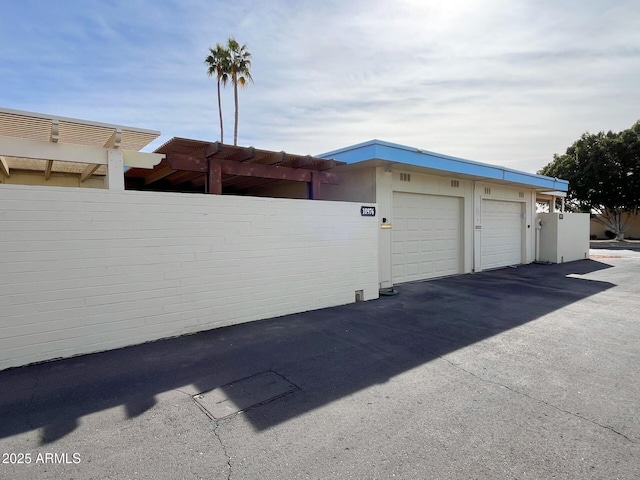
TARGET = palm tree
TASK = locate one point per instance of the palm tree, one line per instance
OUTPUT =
(218, 64)
(239, 69)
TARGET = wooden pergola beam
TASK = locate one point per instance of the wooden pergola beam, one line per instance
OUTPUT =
(4, 166)
(88, 171)
(302, 162)
(328, 165)
(181, 177)
(154, 176)
(114, 140)
(213, 149)
(248, 153)
(263, 171)
(188, 163)
(47, 169)
(214, 178)
(279, 157)
(199, 164)
(215, 169)
(199, 181)
(314, 185)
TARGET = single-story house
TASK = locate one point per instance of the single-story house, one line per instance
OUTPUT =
(440, 215)
(147, 257)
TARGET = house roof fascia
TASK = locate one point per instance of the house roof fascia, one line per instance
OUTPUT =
(401, 154)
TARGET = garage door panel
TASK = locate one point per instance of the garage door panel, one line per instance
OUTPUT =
(413, 269)
(441, 246)
(427, 224)
(427, 268)
(501, 238)
(426, 245)
(412, 247)
(428, 242)
(413, 224)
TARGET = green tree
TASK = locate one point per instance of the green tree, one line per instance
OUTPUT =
(603, 171)
(239, 70)
(218, 64)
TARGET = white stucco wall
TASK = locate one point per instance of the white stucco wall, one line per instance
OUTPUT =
(548, 238)
(564, 237)
(87, 270)
(356, 185)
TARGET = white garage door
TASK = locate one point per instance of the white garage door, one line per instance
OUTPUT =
(501, 234)
(426, 236)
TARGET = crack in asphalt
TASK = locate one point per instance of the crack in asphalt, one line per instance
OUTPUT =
(216, 425)
(577, 415)
(224, 447)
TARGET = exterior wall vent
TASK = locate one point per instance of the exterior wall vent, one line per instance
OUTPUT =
(455, 183)
(521, 194)
(405, 177)
(487, 191)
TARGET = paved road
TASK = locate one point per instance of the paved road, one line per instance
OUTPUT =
(517, 373)
(625, 248)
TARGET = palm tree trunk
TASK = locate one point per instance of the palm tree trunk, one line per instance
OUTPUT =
(220, 113)
(235, 96)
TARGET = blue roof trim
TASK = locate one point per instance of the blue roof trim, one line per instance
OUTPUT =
(377, 149)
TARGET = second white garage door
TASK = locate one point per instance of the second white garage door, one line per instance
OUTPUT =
(426, 236)
(501, 234)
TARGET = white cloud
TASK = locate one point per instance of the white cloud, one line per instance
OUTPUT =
(497, 81)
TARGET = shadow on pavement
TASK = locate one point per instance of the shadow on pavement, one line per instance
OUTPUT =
(328, 354)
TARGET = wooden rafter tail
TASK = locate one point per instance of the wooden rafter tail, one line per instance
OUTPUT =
(213, 149)
(302, 162)
(242, 155)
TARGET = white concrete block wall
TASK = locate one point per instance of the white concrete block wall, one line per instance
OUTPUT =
(88, 270)
(573, 236)
(564, 237)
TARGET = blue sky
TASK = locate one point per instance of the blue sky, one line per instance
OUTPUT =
(499, 81)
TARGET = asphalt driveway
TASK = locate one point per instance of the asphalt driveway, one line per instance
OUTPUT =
(528, 372)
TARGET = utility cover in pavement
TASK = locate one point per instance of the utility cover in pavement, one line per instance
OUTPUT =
(238, 396)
